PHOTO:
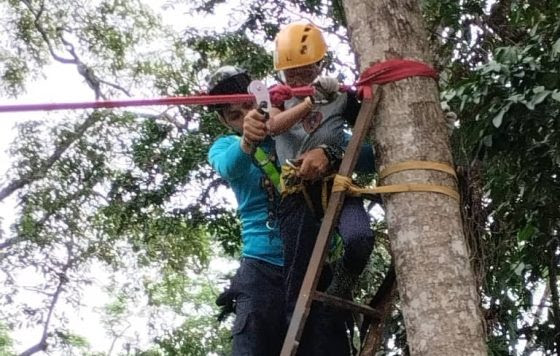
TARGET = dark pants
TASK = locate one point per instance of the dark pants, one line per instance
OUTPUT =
(299, 226)
(259, 327)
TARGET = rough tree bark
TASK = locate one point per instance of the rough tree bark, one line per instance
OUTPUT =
(439, 298)
(553, 285)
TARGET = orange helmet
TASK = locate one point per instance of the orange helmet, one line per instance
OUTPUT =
(297, 45)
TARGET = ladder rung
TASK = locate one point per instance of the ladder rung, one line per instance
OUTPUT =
(347, 304)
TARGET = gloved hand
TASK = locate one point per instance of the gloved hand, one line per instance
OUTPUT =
(227, 304)
(326, 89)
(450, 119)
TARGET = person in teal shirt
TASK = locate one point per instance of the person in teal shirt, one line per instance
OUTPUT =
(261, 239)
(257, 289)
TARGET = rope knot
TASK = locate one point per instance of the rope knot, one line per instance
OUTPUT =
(391, 71)
(344, 184)
(280, 93)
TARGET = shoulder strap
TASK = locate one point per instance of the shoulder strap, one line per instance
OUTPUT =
(267, 166)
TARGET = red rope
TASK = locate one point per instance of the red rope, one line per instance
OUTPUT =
(391, 71)
(379, 73)
(177, 100)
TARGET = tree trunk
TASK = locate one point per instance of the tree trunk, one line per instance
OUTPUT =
(439, 298)
(382, 301)
(553, 284)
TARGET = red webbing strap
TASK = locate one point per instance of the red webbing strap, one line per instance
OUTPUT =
(379, 73)
(176, 100)
(391, 71)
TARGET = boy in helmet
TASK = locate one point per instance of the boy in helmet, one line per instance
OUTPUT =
(257, 288)
(300, 125)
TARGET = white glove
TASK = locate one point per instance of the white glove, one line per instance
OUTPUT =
(450, 119)
(326, 89)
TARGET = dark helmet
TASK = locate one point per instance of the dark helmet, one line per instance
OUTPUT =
(228, 80)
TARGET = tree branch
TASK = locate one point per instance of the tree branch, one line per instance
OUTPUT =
(62, 280)
(531, 345)
(116, 337)
(371, 331)
(116, 86)
(10, 242)
(89, 75)
(553, 284)
(37, 15)
(41, 172)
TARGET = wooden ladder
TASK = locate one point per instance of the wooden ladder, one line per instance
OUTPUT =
(308, 291)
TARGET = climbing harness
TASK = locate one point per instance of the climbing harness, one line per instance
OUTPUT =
(270, 182)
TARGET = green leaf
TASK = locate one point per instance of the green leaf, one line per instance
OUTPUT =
(540, 96)
(497, 120)
(555, 95)
(534, 30)
(493, 66)
(556, 47)
(507, 54)
(449, 94)
(519, 269)
(516, 98)
(526, 232)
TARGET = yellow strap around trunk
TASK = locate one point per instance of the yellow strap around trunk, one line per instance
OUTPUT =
(344, 184)
(414, 165)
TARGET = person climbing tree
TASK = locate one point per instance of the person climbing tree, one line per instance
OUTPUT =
(256, 288)
(256, 291)
(301, 124)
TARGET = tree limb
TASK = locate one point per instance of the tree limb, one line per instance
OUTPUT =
(116, 337)
(42, 171)
(62, 280)
(37, 15)
(89, 75)
(371, 331)
(553, 284)
(10, 242)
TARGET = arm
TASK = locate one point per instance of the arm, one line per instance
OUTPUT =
(366, 158)
(231, 156)
(228, 159)
(316, 163)
(326, 89)
(282, 121)
(352, 107)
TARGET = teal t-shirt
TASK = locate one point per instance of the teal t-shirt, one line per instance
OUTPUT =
(244, 177)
